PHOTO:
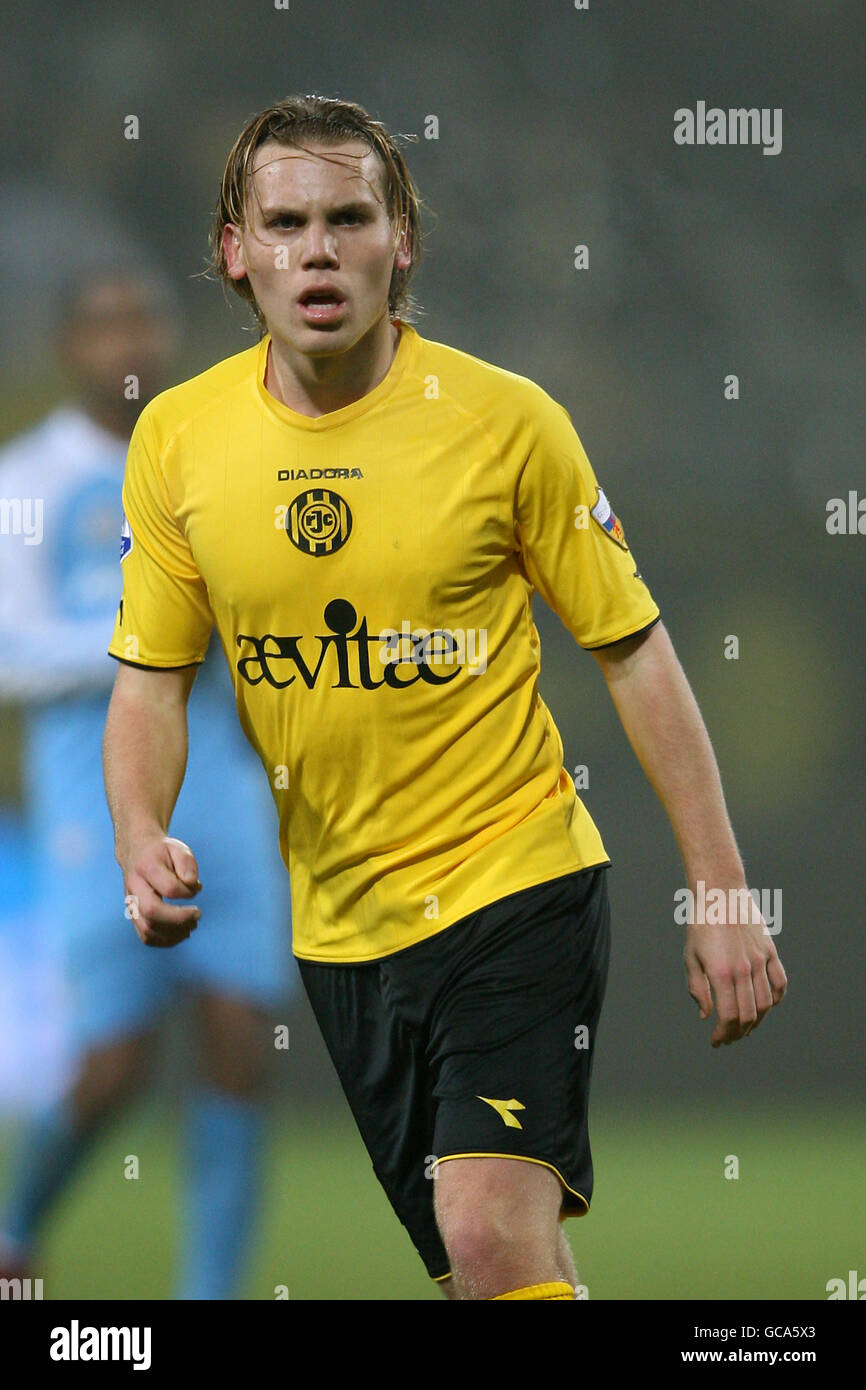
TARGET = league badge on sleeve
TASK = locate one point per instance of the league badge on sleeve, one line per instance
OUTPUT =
(125, 539)
(607, 519)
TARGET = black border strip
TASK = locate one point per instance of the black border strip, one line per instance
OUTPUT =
(142, 666)
(600, 646)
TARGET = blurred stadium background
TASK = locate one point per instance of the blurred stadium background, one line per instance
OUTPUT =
(555, 128)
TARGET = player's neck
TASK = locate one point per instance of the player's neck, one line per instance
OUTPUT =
(318, 386)
(116, 420)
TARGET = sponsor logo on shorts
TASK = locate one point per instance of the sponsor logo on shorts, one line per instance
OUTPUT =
(504, 1108)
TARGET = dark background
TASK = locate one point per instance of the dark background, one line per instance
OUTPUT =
(556, 128)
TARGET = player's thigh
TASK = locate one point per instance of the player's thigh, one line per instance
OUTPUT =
(111, 1073)
(382, 1066)
(237, 1036)
(114, 985)
(501, 1200)
(514, 1035)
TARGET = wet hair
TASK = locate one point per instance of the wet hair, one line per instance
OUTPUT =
(300, 121)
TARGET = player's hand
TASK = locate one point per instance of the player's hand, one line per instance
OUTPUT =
(161, 868)
(736, 965)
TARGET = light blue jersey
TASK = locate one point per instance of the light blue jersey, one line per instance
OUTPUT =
(60, 582)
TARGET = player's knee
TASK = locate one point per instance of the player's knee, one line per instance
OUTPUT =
(480, 1243)
(240, 1082)
(238, 1046)
(111, 1078)
(240, 1070)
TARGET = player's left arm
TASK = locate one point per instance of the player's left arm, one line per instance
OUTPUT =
(737, 964)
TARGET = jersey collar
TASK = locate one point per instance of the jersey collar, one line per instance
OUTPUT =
(405, 354)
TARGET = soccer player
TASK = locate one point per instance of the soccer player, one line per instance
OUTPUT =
(59, 588)
(364, 514)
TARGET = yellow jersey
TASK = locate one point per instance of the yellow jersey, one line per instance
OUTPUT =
(370, 573)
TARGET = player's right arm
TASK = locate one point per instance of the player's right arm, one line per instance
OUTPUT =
(144, 760)
(161, 634)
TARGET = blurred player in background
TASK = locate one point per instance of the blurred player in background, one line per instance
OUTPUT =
(59, 586)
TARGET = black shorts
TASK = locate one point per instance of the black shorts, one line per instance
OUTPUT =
(478, 1041)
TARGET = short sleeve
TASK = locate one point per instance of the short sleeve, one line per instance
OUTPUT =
(572, 543)
(164, 618)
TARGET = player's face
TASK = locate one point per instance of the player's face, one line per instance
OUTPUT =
(318, 247)
(118, 332)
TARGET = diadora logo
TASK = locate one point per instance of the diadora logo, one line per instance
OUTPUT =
(309, 475)
(504, 1108)
(318, 521)
(280, 661)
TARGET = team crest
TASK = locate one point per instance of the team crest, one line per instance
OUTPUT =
(125, 539)
(607, 519)
(318, 521)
